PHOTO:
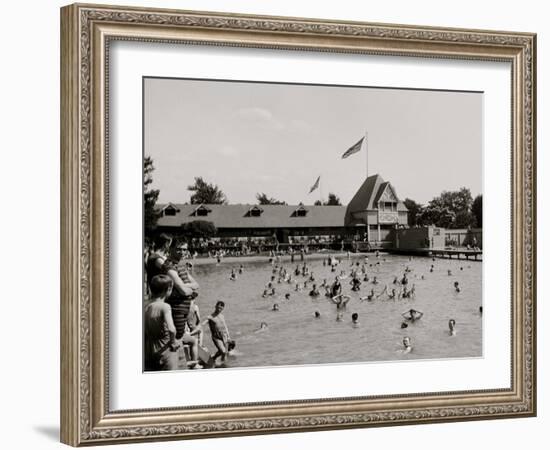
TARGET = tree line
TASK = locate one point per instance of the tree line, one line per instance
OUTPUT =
(451, 209)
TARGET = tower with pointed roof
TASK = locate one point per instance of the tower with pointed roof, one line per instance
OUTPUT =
(377, 208)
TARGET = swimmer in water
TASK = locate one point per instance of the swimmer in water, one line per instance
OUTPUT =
(393, 294)
(355, 319)
(452, 327)
(404, 325)
(457, 288)
(263, 327)
(314, 291)
(317, 314)
(339, 317)
(297, 288)
(340, 301)
(287, 296)
(241, 269)
(336, 288)
(431, 268)
(412, 315)
(480, 310)
(275, 307)
(374, 280)
(449, 273)
(407, 347)
(369, 297)
(233, 276)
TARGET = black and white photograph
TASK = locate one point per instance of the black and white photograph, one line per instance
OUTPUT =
(296, 224)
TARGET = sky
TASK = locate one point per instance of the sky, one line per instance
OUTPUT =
(278, 138)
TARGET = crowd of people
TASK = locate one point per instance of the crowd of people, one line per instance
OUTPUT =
(253, 245)
(339, 291)
(172, 315)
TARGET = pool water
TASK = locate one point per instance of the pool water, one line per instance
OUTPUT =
(295, 337)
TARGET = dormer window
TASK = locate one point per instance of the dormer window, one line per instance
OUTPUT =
(170, 211)
(201, 211)
(255, 211)
(300, 212)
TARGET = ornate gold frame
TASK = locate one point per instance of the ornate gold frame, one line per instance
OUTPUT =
(86, 31)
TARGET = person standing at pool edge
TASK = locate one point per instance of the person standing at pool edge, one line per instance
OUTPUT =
(159, 328)
(219, 331)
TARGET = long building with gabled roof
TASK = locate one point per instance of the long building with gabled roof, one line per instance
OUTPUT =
(370, 216)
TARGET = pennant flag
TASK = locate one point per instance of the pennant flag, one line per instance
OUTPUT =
(353, 149)
(316, 184)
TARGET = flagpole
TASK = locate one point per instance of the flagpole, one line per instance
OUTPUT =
(367, 152)
(320, 189)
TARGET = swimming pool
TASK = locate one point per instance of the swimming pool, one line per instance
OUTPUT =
(295, 337)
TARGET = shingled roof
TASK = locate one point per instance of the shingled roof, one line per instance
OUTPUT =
(272, 216)
(368, 194)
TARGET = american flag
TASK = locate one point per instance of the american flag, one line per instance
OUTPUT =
(315, 185)
(353, 149)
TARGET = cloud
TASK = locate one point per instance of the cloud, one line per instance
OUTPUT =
(260, 117)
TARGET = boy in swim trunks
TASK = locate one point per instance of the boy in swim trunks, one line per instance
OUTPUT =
(219, 331)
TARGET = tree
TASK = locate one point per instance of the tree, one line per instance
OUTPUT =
(263, 199)
(199, 228)
(150, 197)
(477, 210)
(464, 219)
(452, 209)
(415, 210)
(456, 201)
(333, 200)
(204, 192)
(437, 215)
